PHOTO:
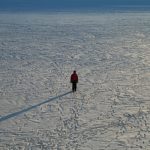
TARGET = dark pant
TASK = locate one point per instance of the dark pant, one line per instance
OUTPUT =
(74, 86)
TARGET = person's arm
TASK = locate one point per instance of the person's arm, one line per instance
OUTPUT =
(77, 78)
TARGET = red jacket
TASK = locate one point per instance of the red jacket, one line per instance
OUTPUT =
(74, 77)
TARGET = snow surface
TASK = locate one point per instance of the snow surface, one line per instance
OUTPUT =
(111, 108)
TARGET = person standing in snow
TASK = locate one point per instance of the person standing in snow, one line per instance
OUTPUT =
(74, 81)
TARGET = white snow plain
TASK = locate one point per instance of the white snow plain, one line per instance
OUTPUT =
(111, 108)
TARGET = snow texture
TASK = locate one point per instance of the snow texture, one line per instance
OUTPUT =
(111, 108)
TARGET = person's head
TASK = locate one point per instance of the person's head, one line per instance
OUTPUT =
(74, 71)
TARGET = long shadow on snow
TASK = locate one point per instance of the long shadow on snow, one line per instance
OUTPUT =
(3, 118)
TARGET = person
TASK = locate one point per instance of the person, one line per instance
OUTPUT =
(74, 81)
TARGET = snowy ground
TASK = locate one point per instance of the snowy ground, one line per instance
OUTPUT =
(110, 110)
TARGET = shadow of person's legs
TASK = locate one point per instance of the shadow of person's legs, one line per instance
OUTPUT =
(3, 118)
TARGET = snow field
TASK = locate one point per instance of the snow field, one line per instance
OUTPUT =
(111, 108)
